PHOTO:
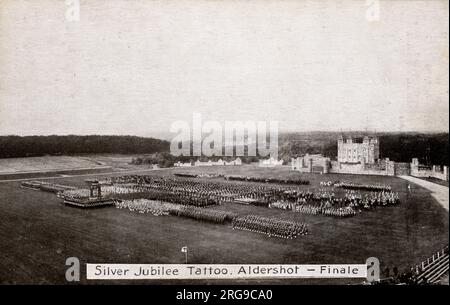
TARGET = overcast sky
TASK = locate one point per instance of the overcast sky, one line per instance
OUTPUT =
(134, 67)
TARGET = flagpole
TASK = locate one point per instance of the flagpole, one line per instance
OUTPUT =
(185, 250)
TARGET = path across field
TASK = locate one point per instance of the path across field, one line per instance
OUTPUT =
(439, 192)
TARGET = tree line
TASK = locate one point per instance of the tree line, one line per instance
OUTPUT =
(399, 147)
(32, 146)
(430, 148)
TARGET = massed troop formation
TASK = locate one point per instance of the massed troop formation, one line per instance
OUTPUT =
(330, 203)
(159, 208)
(267, 180)
(199, 175)
(245, 178)
(206, 193)
(190, 192)
(207, 215)
(358, 186)
(145, 206)
(314, 209)
(149, 190)
(270, 226)
(189, 198)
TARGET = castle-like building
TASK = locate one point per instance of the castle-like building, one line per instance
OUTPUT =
(353, 151)
(362, 157)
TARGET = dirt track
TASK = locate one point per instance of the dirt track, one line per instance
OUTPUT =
(439, 192)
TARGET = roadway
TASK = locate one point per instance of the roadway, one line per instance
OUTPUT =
(439, 192)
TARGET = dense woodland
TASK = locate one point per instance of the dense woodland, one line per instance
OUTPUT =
(430, 148)
(400, 147)
(30, 146)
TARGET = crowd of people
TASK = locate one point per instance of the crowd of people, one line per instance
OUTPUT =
(270, 226)
(428, 272)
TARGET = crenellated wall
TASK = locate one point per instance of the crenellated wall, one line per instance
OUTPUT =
(435, 171)
(382, 169)
(311, 163)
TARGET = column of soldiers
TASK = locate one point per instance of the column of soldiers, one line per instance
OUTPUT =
(270, 226)
(208, 215)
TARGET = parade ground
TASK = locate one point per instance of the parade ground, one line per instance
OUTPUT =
(38, 233)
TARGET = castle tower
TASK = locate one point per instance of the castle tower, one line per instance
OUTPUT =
(349, 140)
(351, 151)
(376, 148)
(340, 145)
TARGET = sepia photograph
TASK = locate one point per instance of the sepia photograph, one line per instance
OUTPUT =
(224, 143)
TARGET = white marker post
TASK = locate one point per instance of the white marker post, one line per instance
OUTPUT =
(185, 250)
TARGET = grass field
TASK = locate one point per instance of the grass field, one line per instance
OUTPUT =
(37, 233)
(60, 166)
(47, 163)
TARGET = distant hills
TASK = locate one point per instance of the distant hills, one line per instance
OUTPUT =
(430, 148)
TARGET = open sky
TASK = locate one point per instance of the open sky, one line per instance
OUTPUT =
(134, 67)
